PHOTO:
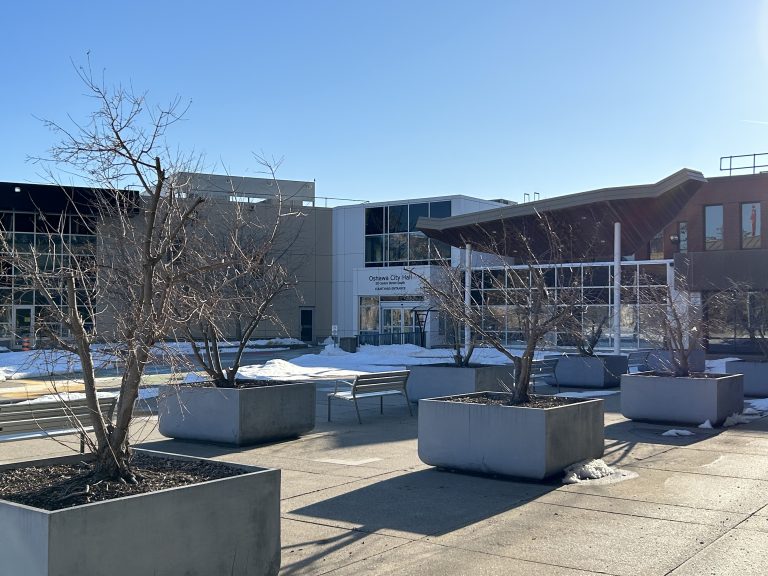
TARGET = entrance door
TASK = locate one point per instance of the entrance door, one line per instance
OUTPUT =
(22, 323)
(306, 321)
(398, 326)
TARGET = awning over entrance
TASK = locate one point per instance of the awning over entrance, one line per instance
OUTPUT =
(584, 221)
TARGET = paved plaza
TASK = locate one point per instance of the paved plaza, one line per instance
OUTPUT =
(356, 499)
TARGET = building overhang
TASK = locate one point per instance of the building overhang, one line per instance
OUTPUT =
(584, 221)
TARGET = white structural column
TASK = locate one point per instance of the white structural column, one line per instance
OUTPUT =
(617, 288)
(467, 290)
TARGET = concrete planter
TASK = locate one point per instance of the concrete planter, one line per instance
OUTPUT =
(602, 371)
(509, 440)
(681, 400)
(755, 376)
(661, 361)
(239, 416)
(219, 528)
(427, 381)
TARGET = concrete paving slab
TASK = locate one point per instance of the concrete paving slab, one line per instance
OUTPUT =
(735, 443)
(430, 559)
(585, 539)
(758, 522)
(310, 548)
(699, 461)
(737, 553)
(697, 491)
(635, 508)
(412, 504)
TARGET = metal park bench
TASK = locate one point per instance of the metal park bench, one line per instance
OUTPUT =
(544, 370)
(54, 418)
(377, 384)
(637, 361)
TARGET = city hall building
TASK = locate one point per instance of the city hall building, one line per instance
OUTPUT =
(357, 265)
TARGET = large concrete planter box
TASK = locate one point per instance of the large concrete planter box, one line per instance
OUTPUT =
(219, 528)
(755, 376)
(661, 361)
(239, 416)
(602, 371)
(509, 440)
(427, 381)
(683, 399)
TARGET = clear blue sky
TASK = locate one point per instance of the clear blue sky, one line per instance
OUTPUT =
(406, 98)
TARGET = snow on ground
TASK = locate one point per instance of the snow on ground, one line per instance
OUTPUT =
(718, 366)
(759, 404)
(706, 424)
(595, 472)
(65, 397)
(333, 363)
(15, 365)
(587, 393)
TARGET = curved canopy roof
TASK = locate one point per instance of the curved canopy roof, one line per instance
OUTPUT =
(583, 221)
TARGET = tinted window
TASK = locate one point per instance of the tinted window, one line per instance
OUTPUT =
(374, 220)
(713, 227)
(398, 218)
(750, 225)
(416, 211)
(440, 209)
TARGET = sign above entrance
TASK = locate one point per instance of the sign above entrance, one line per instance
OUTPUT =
(394, 281)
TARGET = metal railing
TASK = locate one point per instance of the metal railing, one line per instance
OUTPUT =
(743, 162)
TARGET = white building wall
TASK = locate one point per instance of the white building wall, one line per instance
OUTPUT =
(349, 253)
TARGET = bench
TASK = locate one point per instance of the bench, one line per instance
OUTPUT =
(369, 386)
(47, 419)
(544, 370)
(638, 360)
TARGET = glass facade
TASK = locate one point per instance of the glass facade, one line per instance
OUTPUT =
(750, 225)
(55, 239)
(503, 297)
(391, 238)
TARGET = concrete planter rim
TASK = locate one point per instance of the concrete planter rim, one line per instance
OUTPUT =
(154, 453)
(569, 402)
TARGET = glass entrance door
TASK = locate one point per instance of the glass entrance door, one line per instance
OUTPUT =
(22, 323)
(398, 326)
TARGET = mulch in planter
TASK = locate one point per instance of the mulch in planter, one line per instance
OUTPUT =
(66, 485)
(502, 399)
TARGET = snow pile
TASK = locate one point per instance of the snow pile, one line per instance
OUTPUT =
(147, 393)
(586, 470)
(675, 432)
(705, 424)
(735, 418)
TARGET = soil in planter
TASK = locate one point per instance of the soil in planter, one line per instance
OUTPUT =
(509, 400)
(67, 485)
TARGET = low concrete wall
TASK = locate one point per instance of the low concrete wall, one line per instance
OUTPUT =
(755, 376)
(509, 440)
(239, 416)
(427, 381)
(602, 371)
(681, 400)
(220, 528)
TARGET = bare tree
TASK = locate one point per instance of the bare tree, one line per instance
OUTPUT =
(224, 305)
(741, 310)
(673, 319)
(526, 287)
(125, 285)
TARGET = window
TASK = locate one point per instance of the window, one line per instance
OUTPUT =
(391, 238)
(398, 218)
(369, 314)
(682, 236)
(713, 227)
(750, 225)
(374, 221)
(656, 248)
